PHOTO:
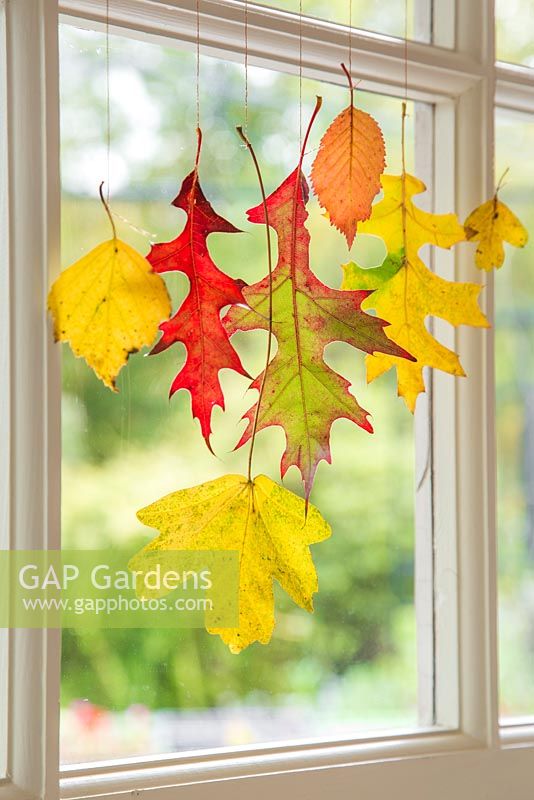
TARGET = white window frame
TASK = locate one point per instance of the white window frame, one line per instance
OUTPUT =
(466, 754)
(30, 392)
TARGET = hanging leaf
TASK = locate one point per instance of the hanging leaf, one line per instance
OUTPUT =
(270, 528)
(407, 292)
(108, 305)
(265, 523)
(346, 171)
(302, 394)
(197, 323)
(492, 224)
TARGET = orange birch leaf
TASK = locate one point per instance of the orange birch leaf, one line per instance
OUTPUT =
(347, 169)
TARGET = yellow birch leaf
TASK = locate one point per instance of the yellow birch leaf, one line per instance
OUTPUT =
(492, 224)
(407, 292)
(108, 305)
(265, 523)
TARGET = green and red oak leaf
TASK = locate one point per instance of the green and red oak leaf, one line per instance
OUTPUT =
(302, 394)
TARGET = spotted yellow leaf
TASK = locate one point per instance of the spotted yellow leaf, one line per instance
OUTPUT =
(107, 305)
(265, 523)
(406, 291)
(492, 224)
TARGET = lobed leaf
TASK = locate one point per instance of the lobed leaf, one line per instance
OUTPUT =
(265, 523)
(410, 293)
(197, 323)
(302, 394)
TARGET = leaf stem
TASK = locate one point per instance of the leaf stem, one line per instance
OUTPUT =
(351, 84)
(108, 211)
(191, 204)
(501, 180)
(403, 213)
(403, 154)
(318, 104)
(298, 188)
(403, 136)
(199, 145)
(351, 145)
(270, 329)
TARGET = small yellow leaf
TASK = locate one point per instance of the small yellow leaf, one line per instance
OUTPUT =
(265, 523)
(107, 305)
(490, 225)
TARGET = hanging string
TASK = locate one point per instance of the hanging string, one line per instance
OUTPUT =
(350, 38)
(108, 108)
(405, 50)
(300, 74)
(150, 235)
(405, 101)
(109, 211)
(105, 199)
(246, 69)
(198, 63)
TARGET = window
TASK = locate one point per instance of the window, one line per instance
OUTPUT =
(455, 745)
(131, 692)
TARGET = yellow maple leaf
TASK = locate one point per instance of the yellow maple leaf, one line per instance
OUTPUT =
(265, 523)
(108, 305)
(492, 224)
(407, 292)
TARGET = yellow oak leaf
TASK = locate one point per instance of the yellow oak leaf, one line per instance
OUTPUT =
(492, 224)
(407, 292)
(108, 305)
(265, 523)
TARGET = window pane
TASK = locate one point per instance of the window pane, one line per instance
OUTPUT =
(387, 17)
(514, 26)
(514, 331)
(352, 665)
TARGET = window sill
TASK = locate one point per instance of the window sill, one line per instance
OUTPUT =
(106, 778)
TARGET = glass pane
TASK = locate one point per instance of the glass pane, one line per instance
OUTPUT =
(351, 666)
(514, 26)
(387, 17)
(514, 353)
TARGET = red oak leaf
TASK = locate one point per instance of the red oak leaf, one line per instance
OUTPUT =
(301, 393)
(197, 323)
